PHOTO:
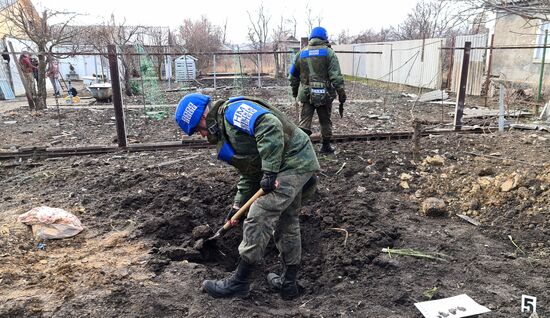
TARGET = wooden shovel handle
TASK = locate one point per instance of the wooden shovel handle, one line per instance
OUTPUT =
(243, 209)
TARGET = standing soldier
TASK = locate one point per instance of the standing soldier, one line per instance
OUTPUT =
(271, 153)
(52, 72)
(28, 70)
(315, 78)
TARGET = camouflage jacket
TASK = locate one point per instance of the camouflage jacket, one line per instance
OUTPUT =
(274, 145)
(316, 63)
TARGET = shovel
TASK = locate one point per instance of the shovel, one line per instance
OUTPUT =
(242, 211)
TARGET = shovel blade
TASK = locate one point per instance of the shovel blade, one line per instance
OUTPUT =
(216, 235)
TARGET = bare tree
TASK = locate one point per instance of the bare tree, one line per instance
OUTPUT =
(528, 9)
(312, 20)
(280, 34)
(224, 32)
(369, 36)
(343, 37)
(200, 36)
(258, 31)
(23, 21)
(155, 41)
(121, 35)
(432, 18)
(292, 20)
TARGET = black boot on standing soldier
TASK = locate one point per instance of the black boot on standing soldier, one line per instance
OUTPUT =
(285, 283)
(236, 285)
(326, 147)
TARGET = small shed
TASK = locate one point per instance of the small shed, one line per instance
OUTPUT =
(186, 68)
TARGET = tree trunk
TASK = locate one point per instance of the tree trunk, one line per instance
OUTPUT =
(127, 85)
(159, 66)
(127, 76)
(277, 65)
(40, 101)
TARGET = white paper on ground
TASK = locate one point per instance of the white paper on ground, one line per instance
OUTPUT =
(455, 307)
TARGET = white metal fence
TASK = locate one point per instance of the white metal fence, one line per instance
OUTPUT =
(476, 68)
(416, 62)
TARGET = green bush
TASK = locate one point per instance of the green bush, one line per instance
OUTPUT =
(136, 87)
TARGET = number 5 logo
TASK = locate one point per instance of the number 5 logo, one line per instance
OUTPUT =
(528, 303)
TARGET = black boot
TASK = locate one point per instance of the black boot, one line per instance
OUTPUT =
(326, 147)
(285, 284)
(236, 285)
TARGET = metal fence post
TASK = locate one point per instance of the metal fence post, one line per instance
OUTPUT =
(501, 108)
(214, 58)
(539, 97)
(459, 110)
(117, 96)
(259, 71)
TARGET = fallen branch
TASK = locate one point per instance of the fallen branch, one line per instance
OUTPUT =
(167, 163)
(502, 158)
(517, 246)
(521, 250)
(341, 230)
(414, 253)
(342, 167)
(304, 304)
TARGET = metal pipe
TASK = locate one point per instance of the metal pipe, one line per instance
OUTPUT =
(460, 98)
(259, 71)
(542, 62)
(501, 108)
(117, 96)
(214, 57)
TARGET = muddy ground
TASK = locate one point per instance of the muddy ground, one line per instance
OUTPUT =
(136, 257)
(369, 109)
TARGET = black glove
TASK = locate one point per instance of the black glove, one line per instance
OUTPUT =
(231, 213)
(341, 95)
(341, 110)
(268, 181)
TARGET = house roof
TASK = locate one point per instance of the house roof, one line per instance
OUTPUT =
(292, 39)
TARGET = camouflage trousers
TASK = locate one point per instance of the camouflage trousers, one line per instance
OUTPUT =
(276, 215)
(324, 113)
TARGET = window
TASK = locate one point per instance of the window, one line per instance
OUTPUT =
(545, 25)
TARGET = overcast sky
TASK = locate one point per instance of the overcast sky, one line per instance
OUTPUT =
(351, 15)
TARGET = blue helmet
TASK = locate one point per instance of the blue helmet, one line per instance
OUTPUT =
(190, 110)
(320, 33)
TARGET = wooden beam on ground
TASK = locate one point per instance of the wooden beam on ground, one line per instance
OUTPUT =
(48, 152)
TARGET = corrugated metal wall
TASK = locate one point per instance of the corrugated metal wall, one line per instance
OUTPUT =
(476, 68)
(415, 62)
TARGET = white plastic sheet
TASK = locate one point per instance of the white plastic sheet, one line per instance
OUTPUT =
(51, 223)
